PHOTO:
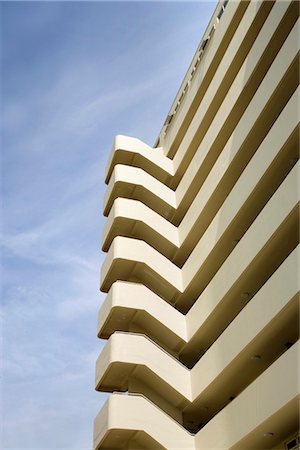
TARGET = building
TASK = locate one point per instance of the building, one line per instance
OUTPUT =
(202, 309)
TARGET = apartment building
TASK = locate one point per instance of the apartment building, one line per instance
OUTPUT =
(201, 315)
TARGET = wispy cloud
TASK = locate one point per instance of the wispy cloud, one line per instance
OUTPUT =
(45, 243)
(75, 74)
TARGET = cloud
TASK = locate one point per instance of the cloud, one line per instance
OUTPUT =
(41, 247)
(48, 361)
(75, 75)
(76, 308)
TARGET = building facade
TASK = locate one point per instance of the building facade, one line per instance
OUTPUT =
(201, 315)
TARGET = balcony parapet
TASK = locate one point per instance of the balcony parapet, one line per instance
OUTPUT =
(268, 321)
(134, 260)
(134, 152)
(264, 404)
(180, 331)
(268, 167)
(132, 182)
(118, 415)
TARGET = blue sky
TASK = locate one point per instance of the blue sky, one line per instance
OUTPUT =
(73, 75)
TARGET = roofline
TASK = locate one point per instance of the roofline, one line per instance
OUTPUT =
(191, 69)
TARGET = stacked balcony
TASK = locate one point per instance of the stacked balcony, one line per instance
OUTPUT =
(202, 279)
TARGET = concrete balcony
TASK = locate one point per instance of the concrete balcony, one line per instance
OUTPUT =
(202, 234)
(151, 428)
(133, 152)
(134, 308)
(242, 424)
(230, 364)
(134, 260)
(266, 170)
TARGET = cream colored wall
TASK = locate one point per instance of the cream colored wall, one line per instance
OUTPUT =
(268, 304)
(255, 405)
(202, 264)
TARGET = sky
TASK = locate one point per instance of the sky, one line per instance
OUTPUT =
(73, 75)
